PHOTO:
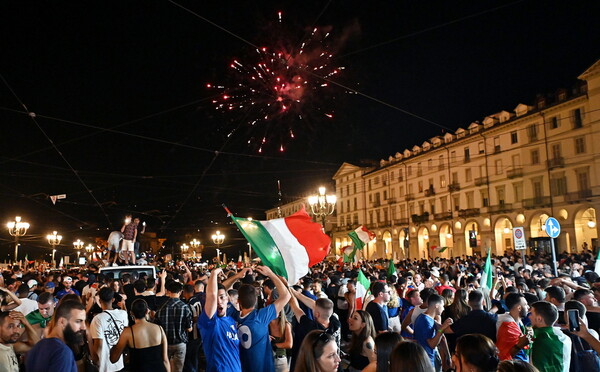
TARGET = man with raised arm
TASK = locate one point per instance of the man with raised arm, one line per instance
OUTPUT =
(253, 324)
(219, 333)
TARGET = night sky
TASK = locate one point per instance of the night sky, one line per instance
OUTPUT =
(124, 121)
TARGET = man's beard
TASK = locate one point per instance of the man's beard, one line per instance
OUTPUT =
(71, 337)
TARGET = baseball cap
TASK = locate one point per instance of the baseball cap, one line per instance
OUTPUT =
(50, 285)
(67, 279)
(32, 283)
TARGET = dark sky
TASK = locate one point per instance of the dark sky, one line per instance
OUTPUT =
(119, 88)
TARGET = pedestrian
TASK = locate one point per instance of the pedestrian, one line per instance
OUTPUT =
(318, 353)
(475, 353)
(40, 318)
(11, 330)
(129, 231)
(377, 307)
(219, 333)
(105, 330)
(147, 343)
(175, 317)
(551, 348)
(52, 353)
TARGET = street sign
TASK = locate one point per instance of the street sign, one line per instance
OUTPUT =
(519, 238)
(552, 227)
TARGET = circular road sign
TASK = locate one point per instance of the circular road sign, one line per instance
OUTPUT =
(552, 227)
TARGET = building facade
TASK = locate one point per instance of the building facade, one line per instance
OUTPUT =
(462, 193)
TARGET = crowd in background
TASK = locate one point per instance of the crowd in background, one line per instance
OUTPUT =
(422, 315)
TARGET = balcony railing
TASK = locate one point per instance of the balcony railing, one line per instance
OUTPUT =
(420, 218)
(409, 197)
(442, 216)
(572, 197)
(505, 207)
(401, 221)
(514, 173)
(471, 212)
(479, 181)
(391, 200)
(557, 162)
(376, 204)
(430, 191)
(540, 201)
(453, 187)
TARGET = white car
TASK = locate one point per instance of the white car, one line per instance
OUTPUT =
(117, 272)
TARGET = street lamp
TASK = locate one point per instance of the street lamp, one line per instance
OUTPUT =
(322, 205)
(195, 244)
(89, 249)
(78, 245)
(54, 240)
(218, 239)
(17, 228)
(184, 249)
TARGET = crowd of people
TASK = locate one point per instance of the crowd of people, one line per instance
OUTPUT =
(421, 315)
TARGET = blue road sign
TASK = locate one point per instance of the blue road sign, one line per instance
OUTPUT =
(552, 227)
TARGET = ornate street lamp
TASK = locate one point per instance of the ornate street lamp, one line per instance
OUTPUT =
(78, 244)
(218, 239)
(195, 244)
(54, 240)
(89, 249)
(184, 249)
(17, 228)
(322, 205)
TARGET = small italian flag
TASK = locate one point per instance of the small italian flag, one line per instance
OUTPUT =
(486, 276)
(288, 246)
(362, 287)
(391, 269)
(361, 236)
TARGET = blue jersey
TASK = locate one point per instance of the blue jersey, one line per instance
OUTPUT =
(220, 343)
(255, 345)
(50, 354)
(424, 330)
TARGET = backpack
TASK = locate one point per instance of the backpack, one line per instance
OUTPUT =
(583, 357)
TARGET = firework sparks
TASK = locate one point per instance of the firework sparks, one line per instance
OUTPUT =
(279, 90)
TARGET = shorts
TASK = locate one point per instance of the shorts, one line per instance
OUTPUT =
(127, 245)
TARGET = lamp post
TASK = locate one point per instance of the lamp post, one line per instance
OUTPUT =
(184, 249)
(322, 205)
(89, 249)
(195, 244)
(218, 239)
(78, 244)
(54, 240)
(17, 228)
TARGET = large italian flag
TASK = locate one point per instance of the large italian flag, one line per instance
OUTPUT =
(362, 287)
(289, 246)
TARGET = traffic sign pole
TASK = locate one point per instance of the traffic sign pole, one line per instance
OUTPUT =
(554, 257)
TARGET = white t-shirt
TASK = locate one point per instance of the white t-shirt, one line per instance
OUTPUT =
(103, 327)
(8, 359)
(27, 306)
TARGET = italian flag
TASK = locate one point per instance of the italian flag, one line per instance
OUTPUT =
(288, 246)
(486, 276)
(391, 269)
(362, 287)
(361, 236)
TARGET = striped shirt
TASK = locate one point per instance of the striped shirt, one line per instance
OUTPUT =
(175, 317)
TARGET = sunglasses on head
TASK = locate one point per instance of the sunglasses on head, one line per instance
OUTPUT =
(323, 337)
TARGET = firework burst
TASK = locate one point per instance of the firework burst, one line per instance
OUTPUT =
(280, 90)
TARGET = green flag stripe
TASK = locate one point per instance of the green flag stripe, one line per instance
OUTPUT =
(356, 240)
(263, 244)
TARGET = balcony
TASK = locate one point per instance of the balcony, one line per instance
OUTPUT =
(540, 201)
(557, 162)
(430, 191)
(471, 212)
(504, 207)
(514, 173)
(574, 197)
(391, 201)
(344, 228)
(401, 222)
(376, 204)
(442, 216)
(417, 219)
(454, 186)
(479, 181)
(409, 197)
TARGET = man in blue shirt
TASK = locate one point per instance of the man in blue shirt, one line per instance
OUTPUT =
(68, 284)
(427, 333)
(219, 333)
(52, 353)
(253, 324)
(377, 308)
